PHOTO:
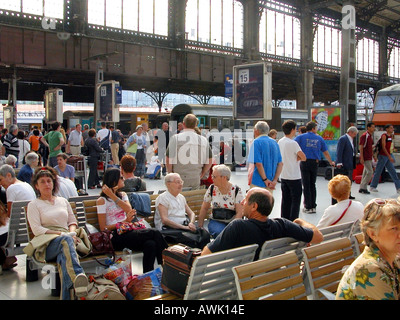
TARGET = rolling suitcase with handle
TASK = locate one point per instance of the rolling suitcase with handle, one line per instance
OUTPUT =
(177, 263)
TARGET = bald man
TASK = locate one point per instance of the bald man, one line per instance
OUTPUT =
(257, 206)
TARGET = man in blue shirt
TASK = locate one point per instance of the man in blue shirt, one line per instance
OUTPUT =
(312, 145)
(265, 159)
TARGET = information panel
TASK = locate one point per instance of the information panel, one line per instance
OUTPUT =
(108, 109)
(53, 104)
(252, 91)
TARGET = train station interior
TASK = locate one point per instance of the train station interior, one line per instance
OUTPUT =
(173, 57)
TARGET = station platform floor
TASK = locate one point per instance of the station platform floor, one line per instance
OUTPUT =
(13, 285)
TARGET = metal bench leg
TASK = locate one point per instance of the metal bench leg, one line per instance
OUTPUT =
(31, 274)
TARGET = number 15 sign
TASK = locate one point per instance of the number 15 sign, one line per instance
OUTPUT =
(252, 91)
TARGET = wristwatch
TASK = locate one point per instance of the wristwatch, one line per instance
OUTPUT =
(265, 179)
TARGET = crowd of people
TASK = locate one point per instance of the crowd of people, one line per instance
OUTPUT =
(229, 216)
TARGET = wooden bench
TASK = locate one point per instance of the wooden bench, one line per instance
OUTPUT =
(211, 276)
(274, 278)
(324, 265)
(17, 238)
(194, 199)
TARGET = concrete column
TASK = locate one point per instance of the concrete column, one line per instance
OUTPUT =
(348, 74)
(305, 79)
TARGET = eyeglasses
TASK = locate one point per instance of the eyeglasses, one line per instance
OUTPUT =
(177, 181)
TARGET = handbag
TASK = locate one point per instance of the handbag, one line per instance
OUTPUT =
(344, 212)
(223, 214)
(197, 239)
(101, 244)
(123, 226)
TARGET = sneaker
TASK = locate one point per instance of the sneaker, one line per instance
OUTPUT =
(312, 210)
(364, 191)
(373, 189)
(81, 283)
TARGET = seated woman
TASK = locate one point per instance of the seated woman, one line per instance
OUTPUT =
(113, 207)
(26, 172)
(375, 274)
(52, 216)
(221, 195)
(172, 212)
(64, 170)
(345, 210)
(131, 182)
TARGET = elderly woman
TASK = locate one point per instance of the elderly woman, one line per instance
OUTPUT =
(345, 210)
(375, 274)
(224, 198)
(26, 172)
(52, 219)
(173, 213)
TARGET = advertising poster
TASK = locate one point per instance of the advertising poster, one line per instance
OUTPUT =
(328, 121)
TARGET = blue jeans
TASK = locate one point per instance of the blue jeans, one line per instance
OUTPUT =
(62, 250)
(215, 227)
(383, 161)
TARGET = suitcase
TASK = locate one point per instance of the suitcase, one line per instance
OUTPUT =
(177, 263)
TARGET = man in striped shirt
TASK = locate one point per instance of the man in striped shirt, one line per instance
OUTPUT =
(10, 144)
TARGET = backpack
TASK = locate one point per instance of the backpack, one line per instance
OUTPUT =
(378, 147)
(100, 288)
(105, 142)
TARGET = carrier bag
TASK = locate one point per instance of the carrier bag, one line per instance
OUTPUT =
(177, 263)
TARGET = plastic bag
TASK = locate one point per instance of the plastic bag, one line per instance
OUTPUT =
(145, 286)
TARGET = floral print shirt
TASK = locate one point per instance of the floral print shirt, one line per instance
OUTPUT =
(370, 277)
(219, 200)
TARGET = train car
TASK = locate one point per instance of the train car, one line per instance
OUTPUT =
(210, 116)
(387, 107)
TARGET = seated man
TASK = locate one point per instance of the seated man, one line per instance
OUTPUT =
(132, 183)
(26, 172)
(64, 170)
(173, 213)
(257, 206)
(66, 188)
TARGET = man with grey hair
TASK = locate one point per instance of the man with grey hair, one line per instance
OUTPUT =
(346, 154)
(10, 144)
(26, 172)
(16, 190)
(264, 158)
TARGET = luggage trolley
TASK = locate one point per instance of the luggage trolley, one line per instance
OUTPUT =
(79, 163)
(102, 164)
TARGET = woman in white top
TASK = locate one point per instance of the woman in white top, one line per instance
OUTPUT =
(52, 215)
(221, 195)
(113, 208)
(345, 210)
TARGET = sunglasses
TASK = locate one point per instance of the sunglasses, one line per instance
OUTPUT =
(380, 203)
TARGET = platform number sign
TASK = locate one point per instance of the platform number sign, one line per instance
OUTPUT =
(244, 76)
(252, 91)
(103, 91)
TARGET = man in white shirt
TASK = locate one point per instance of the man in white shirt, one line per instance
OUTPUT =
(75, 141)
(189, 154)
(16, 190)
(291, 175)
(66, 188)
